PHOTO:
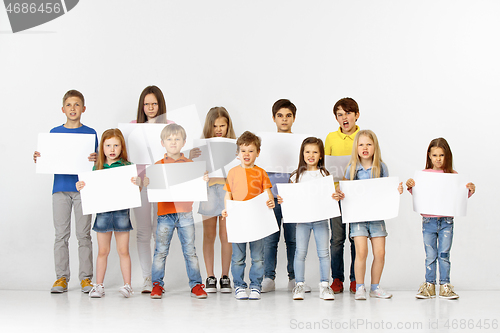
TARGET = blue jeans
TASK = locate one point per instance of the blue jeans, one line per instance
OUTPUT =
(438, 236)
(321, 236)
(238, 264)
(185, 230)
(337, 249)
(271, 246)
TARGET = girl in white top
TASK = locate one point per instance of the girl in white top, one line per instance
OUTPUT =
(311, 166)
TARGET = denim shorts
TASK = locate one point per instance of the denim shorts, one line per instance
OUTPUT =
(118, 220)
(368, 229)
(215, 204)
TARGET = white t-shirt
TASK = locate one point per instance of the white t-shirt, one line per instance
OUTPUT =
(308, 176)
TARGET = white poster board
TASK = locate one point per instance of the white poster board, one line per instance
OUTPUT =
(177, 182)
(250, 220)
(308, 201)
(370, 199)
(442, 194)
(109, 190)
(64, 153)
(219, 154)
(279, 152)
(144, 140)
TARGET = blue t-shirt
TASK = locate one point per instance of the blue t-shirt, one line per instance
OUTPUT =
(277, 178)
(362, 173)
(66, 183)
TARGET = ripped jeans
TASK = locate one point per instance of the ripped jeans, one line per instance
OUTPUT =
(438, 237)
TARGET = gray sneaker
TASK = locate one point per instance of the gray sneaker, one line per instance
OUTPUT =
(268, 285)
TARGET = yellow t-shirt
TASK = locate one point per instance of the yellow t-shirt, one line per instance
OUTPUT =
(339, 144)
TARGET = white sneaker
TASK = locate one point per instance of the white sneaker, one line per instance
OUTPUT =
(268, 285)
(291, 284)
(307, 289)
(240, 293)
(325, 292)
(126, 290)
(360, 293)
(379, 293)
(97, 291)
(147, 287)
(254, 294)
(298, 291)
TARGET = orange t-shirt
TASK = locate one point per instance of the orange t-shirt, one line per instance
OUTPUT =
(246, 183)
(165, 208)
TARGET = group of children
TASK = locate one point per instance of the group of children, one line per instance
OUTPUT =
(243, 182)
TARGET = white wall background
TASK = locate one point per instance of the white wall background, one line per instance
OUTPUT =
(418, 69)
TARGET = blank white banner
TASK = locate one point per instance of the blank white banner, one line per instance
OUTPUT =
(370, 199)
(219, 154)
(109, 190)
(309, 201)
(177, 182)
(279, 152)
(250, 220)
(442, 194)
(64, 153)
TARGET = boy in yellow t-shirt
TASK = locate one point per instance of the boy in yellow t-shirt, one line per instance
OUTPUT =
(339, 143)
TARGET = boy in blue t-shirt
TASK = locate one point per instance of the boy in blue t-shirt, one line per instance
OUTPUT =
(64, 197)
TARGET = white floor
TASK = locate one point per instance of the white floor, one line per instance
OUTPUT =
(40, 311)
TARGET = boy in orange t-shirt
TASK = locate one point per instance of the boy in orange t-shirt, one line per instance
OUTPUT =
(245, 182)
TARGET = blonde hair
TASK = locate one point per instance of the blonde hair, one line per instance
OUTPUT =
(172, 129)
(212, 115)
(108, 134)
(376, 158)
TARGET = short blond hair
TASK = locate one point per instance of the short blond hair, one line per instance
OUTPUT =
(172, 129)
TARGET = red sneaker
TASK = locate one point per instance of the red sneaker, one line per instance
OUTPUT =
(337, 286)
(352, 287)
(157, 291)
(198, 291)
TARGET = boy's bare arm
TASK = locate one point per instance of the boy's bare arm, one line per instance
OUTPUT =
(270, 202)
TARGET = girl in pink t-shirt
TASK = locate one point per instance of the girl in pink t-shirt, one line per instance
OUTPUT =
(438, 230)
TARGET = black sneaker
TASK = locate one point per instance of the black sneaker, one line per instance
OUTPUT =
(225, 285)
(211, 284)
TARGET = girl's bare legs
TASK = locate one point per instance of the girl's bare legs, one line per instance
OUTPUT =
(209, 234)
(378, 247)
(226, 247)
(122, 241)
(103, 244)
(361, 245)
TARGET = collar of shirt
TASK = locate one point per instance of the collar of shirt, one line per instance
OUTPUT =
(180, 159)
(344, 136)
(121, 162)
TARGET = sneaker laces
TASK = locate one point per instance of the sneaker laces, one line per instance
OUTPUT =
(448, 290)
(328, 291)
(299, 288)
(424, 289)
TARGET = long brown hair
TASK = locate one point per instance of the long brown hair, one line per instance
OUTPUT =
(377, 155)
(448, 157)
(302, 163)
(108, 134)
(212, 115)
(162, 108)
